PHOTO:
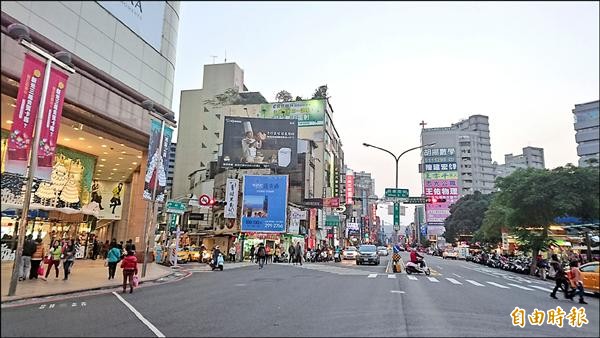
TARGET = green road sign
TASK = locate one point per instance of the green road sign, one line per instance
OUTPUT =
(332, 220)
(173, 222)
(397, 215)
(416, 200)
(396, 193)
(174, 207)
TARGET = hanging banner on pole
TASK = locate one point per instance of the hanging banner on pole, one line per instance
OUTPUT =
(26, 109)
(231, 198)
(158, 156)
(57, 86)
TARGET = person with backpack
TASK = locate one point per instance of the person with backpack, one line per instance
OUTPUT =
(261, 255)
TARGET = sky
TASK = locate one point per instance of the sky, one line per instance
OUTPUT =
(390, 65)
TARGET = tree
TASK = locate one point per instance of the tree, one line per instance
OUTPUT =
(493, 222)
(299, 98)
(533, 198)
(283, 96)
(321, 93)
(466, 215)
(229, 96)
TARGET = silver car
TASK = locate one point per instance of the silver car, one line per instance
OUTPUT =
(382, 251)
(350, 253)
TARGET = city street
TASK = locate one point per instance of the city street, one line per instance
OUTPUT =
(318, 299)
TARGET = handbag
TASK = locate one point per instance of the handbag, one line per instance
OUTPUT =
(105, 262)
(40, 270)
(47, 259)
(136, 280)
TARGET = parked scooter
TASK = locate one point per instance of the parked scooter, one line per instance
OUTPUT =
(415, 268)
(220, 263)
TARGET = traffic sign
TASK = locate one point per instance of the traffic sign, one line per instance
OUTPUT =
(416, 200)
(204, 200)
(173, 222)
(397, 215)
(174, 207)
(396, 193)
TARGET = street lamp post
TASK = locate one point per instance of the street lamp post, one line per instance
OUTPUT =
(63, 60)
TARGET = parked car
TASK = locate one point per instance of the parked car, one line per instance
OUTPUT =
(367, 254)
(382, 251)
(590, 273)
(350, 253)
(450, 254)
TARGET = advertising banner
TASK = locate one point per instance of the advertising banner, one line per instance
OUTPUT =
(156, 170)
(308, 113)
(352, 229)
(295, 216)
(331, 202)
(441, 175)
(26, 109)
(433, 152)
(109, 196)
(259, 143)
(440, 180)
(451, 166)
(231, 198)
(55, 97)
(312, 221)
(441, 187)
(349, 187)
(264, 203)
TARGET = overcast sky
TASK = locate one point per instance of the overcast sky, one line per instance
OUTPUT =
(390, 65)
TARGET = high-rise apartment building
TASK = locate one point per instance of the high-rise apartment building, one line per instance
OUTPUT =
(459, 163)
(531, 157)
(587, 132)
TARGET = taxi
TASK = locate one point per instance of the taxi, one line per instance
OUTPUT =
(590, 274)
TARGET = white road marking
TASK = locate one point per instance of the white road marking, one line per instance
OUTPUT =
(74, 304)
(457, 275)
(433, 279)
(140, 317)
(51, 306)
(520, 287)
(83, 303)
(498, 285)
(372, 275)
(454, 281)
(412, 277)
(392, 276)
(42, 306)
(397, 291)
(240, 284)
(474, 282)
(439, 267)
(540, 288)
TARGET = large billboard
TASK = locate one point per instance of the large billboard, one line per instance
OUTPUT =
(158, 158)
(264, 203)
(440, 180)
(259, 143)
(308, 113)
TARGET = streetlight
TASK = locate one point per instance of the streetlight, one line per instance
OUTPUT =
(397, 158)
(62, 59)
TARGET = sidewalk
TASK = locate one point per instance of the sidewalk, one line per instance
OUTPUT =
(85, 275)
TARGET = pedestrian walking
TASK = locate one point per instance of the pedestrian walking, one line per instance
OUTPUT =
(292, 255)
(36, 258)
(560, 278)
(268, 254)
(53, 258)
(95, 249)
(576, 282)
(104, 249)
(25, 262)
(261, 255)
(129, 245)
(252, 254)
(232, 253)
(130, 269)
(112, 258)
(69, 258)
(298, 252)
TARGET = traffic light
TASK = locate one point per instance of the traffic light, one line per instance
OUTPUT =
(215, 203)
(432, 200)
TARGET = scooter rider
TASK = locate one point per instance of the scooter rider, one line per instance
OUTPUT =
(416, 258)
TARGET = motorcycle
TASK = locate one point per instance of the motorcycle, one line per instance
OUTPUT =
(220, 263)
(415, 268)
(337, 257)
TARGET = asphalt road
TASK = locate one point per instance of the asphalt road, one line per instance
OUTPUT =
(318, 299)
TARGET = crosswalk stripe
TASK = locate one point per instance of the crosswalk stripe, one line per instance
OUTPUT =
(498, 285)
(372, 275)
(540, 288)
(412, 277)
(454, 281)
(391, 276)
(520, 287)
(474, 282)
(433, 279)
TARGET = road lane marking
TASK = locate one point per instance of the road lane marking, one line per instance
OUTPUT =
(540, 288)
(397, 291)
(498, 285)
(51, 306)
(520, 287)
(392, 276)
(457, 275)
(140, 317)
(439, 267)
(42, 307)
(474, 282)
(433, 279)
(372, 275)
(412, 277)
(454, 281)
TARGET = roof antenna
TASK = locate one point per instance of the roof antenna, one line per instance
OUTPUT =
(213, 57)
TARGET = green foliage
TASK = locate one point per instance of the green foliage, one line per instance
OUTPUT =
(229, 96)
(466, 215)
(494, 219)
(321, 93)
(283, 96)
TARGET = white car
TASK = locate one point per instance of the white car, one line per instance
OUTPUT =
(382, 251)
(450, 254)
(350, 253)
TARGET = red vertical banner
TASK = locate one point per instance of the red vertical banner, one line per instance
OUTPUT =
(26, 110)
(55, 98)
(349, 187)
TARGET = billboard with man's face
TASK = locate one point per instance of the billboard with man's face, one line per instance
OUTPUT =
(259, 143)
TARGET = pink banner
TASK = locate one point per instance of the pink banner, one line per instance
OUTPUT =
(27, 105)
(52, 113)
(441, 187)
(349, 188)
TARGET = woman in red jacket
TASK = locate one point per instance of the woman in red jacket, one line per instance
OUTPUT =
(129, 266)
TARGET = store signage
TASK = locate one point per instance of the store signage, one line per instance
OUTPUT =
(24, 116)
(336, 181)
(313, 202)
(231, 198)
(158, 155)
(259, 235)
(144, 18)
(349, 187)
(312, 219)
(55, 97)
(332, 202)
